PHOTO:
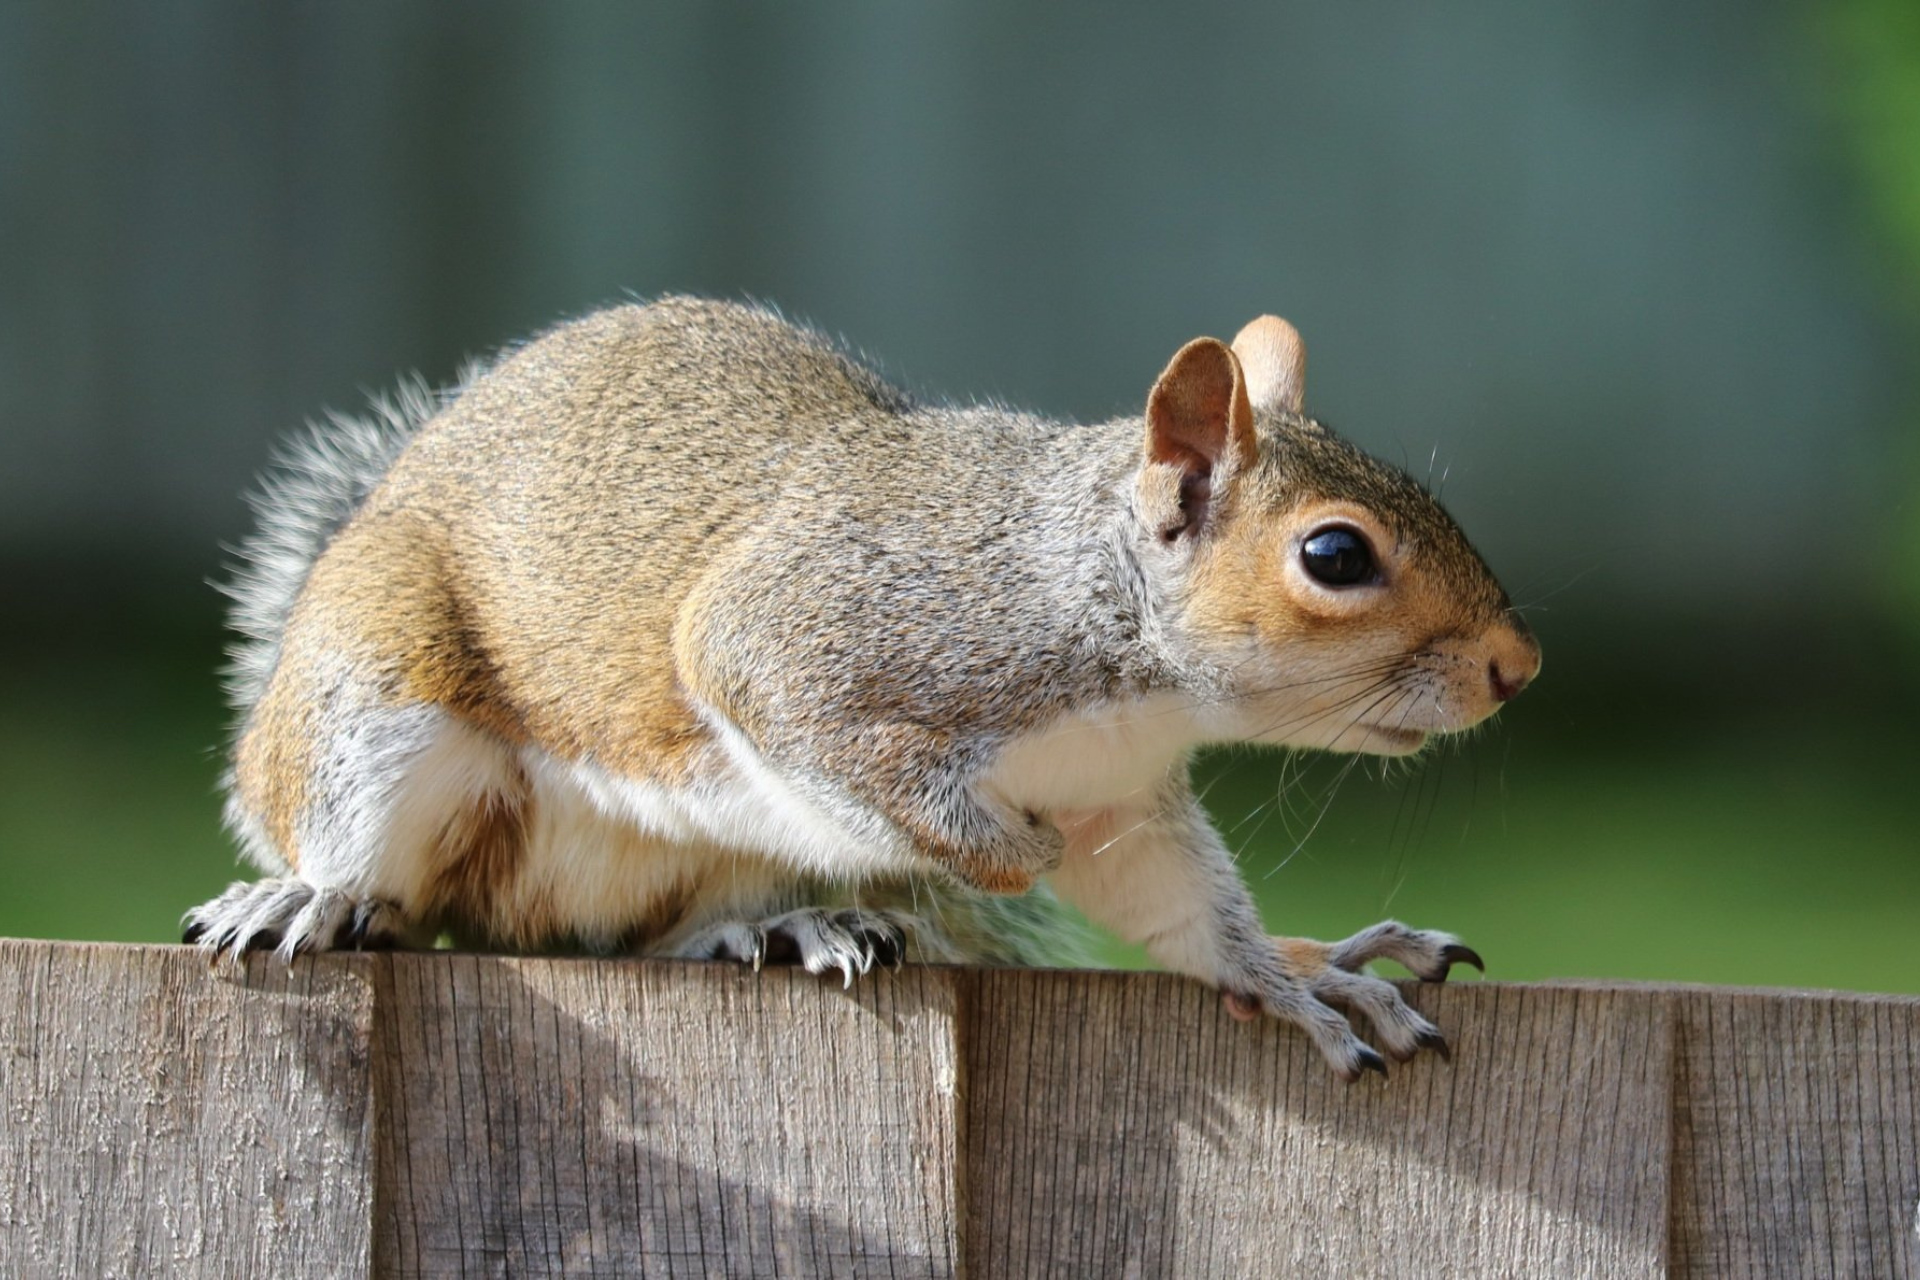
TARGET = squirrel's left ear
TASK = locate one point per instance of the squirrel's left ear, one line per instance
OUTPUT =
(1275, 364)
(1199, 432)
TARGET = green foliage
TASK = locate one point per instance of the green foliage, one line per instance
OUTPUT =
(1874, 48)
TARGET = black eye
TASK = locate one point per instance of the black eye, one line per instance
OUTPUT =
(1338, 558)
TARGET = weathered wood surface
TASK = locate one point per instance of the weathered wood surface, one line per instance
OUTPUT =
(1144, 1134)
(1796, 1135)
(553, 1117)
(157, 1119)
(446, 1114)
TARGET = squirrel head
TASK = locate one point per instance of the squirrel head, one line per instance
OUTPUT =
(1342, 606)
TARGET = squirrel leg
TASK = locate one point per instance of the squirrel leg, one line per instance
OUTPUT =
(387, 817)
(982, 842)
(1162, 877)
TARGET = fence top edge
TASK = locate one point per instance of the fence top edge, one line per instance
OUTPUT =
(1613, 986)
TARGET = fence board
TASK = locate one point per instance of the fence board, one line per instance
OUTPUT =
(1136, 1130)
(1797, 1135)
(164, 1119)
(548, 1117)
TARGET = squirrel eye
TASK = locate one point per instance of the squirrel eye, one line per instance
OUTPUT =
(1338, 558)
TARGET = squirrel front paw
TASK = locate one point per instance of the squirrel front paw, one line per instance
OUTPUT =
(850, 940)
(1318, 979)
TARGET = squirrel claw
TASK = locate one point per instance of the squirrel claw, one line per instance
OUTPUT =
(290, 917)
(883, 942)
(1367, 1060)
(818, 939)
(1435, 1041)
(1455, 953)
(1429, 953)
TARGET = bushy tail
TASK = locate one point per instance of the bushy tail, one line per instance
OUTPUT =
(317, 481)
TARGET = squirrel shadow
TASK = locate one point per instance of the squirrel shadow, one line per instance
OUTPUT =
(630, 1117)
(621, 1117)
(1133, 1127)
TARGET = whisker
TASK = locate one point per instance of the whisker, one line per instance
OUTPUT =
(1426, 801)
(1597, 560)
(1262, 811)
(1284, 789)
(1151, 818)
(1575, 580)
(1304, 721)
(1346, 767)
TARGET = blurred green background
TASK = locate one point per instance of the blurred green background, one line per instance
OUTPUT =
(1642, 281)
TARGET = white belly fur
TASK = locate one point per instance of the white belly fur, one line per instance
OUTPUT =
(603, 848)
(1113, 757)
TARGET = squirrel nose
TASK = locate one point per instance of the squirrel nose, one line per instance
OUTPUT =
(1506, 687)
(1513, 662)
(1508, 673)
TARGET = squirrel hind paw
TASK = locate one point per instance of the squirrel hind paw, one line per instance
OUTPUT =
(288, 917)
(819, 940)
(735, 940)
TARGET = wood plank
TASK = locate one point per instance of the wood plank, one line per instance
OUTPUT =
(1797, 1134)
(162, 1118)
(541, 1117)
(1129, 1127)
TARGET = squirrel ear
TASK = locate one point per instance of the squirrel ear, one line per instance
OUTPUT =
(1275, 362)
(1198, 417)
(1200, 426)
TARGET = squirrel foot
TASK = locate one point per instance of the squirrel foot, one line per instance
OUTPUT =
(289, 916)
(818, 939)
(1326, 976)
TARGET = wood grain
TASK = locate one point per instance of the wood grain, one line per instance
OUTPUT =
(564, 1117)
(164, 1119)
(1135, 1129)
(1796, 1135)
(437, 1114)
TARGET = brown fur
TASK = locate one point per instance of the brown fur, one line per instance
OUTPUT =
(1303, 957)
(272, 760)
(477, 860)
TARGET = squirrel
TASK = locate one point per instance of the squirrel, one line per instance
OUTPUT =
(678, 631)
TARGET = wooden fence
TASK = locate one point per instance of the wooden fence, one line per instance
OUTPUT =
(448, 1114)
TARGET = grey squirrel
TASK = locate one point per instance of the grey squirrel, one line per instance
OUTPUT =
(678, 631)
